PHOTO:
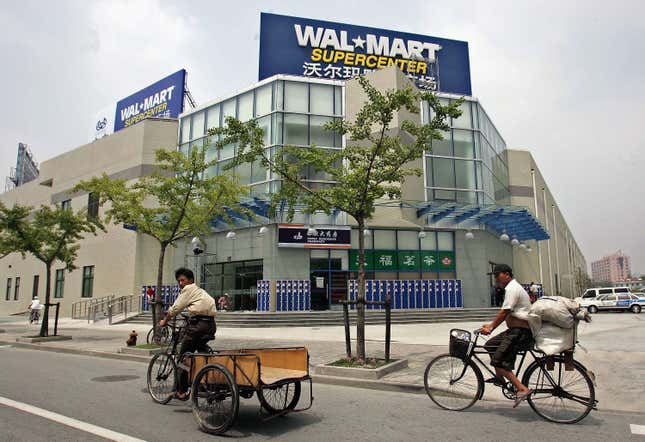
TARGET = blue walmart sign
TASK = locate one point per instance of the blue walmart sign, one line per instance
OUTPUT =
(163, 99)
(321, 49)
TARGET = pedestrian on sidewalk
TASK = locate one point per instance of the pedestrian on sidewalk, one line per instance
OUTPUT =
(34, 310)
(201, 321)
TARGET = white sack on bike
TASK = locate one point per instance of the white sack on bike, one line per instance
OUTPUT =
(552, 339)
(556, 310)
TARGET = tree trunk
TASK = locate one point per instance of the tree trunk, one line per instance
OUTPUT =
(157, 306)
(44, 325)
(360, 306)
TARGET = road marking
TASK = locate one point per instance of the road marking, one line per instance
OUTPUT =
(637, 429)
(70, 422)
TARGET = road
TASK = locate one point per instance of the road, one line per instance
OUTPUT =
(111, 395)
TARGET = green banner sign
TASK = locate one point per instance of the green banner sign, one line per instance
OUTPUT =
(404, 260)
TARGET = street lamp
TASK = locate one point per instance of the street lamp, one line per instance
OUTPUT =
(231, 235)
(469, 235)
(263, 231)
(504, 237)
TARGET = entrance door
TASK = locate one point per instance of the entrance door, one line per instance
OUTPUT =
(496, 294)
(319, 290)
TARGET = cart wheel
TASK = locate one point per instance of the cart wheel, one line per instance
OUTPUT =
(215, 399)
(162, 378)
(280, 398)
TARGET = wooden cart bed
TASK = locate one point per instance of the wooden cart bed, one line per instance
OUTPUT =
(258, 367)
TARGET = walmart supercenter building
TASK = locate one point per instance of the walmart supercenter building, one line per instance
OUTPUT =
(478, 202)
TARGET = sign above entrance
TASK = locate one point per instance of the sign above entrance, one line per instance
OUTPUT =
(324, 237)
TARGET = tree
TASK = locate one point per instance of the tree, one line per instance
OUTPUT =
(582, 280)
(49, 234)
(370, 168)
(174, 202)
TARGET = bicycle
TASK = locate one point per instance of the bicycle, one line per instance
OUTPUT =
(563, 392)
(163, 374)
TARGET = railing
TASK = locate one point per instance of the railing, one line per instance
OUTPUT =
(106, 307)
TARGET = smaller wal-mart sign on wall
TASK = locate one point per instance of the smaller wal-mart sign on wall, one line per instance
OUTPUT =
(163, 99)
(322, 49)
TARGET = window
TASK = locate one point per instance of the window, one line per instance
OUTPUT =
(245, 107)
(463, 143)
(296, 97)
(185, 129)
(407, 240)
(88, 282)
(212, 117)
(34, 291)
(66, 205)
(322, 99)
(465, 174)
(295, 129)
(604, 291)
(228, 109)
(445, 241)
(198, 125)
(8, 293)
(59, 285)
(16, 289)
(263, 100)
(92, 205)
(385, 239)
(319, 135)
(623, 297)
(464, 120)
(621, 290)
(444, 146)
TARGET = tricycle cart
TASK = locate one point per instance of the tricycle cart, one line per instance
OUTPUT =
(219, 379)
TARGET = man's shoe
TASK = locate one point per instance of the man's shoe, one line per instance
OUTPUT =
(495, 381)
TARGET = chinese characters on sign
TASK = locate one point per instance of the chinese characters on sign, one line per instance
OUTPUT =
(322, 237)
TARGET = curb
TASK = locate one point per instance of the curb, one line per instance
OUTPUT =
(75, 351)
(400, 387)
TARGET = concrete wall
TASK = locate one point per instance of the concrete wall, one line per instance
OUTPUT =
(123, 260)
(560, 256)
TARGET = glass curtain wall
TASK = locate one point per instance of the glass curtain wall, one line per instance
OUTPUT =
(469, 164)
(290, 113)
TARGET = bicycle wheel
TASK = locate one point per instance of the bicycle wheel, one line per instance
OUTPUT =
(162, 378)
(215, 399)
(559, 395)
(280, 398)
(452, 383)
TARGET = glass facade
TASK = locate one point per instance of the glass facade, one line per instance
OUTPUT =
(290, 112)
(469, 164)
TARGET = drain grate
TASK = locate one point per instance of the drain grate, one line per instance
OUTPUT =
(115, 378)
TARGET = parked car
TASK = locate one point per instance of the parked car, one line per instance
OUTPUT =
(619, 302)
(600, 291)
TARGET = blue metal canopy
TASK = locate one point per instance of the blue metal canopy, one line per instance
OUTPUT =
(515, 221)
(258, 207)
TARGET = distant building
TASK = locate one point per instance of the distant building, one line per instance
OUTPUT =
(612, 268)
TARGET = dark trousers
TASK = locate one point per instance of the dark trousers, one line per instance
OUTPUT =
(193, 342)
(503, 347)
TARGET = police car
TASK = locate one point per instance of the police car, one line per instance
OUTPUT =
(622, 302)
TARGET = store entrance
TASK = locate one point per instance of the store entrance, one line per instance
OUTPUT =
(328, 275)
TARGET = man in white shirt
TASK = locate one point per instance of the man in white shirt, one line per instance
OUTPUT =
(504, 347)
(34, 310)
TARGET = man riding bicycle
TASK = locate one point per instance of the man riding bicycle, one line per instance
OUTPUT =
(201, 322)
(505, 346)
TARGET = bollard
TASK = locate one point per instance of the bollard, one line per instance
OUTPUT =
(348, 343)
(109, 311)
(388, 324)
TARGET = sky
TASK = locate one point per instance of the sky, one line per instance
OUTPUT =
(562, 79)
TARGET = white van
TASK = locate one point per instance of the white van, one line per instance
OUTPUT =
(599, 291)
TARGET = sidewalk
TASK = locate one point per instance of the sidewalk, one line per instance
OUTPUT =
(418, 343)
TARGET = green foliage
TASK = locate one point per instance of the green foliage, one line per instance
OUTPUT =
(48, 233)
(369, 168)
(172, 203)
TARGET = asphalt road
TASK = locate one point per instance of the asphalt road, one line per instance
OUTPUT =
(75, 387)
